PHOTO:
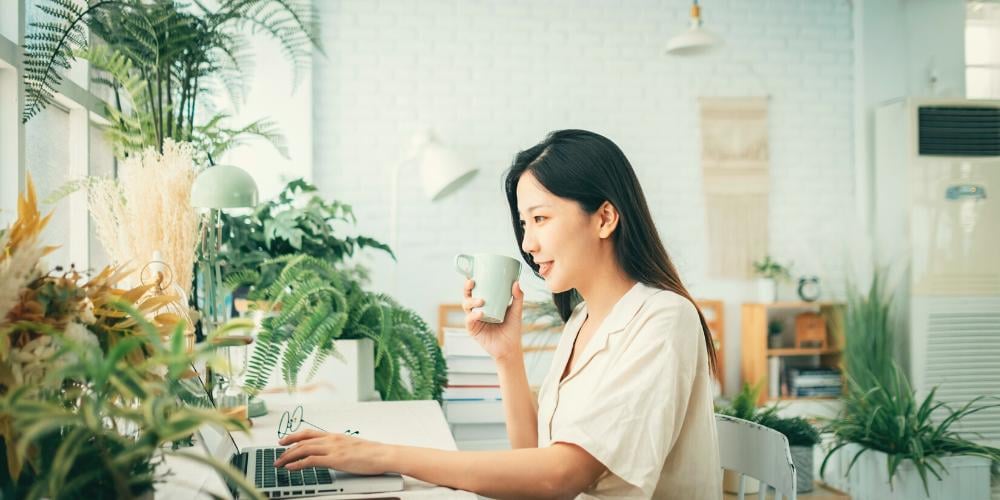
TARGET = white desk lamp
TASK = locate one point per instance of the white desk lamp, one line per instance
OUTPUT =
(442, 172)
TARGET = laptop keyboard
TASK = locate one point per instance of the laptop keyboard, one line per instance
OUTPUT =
(268, 476)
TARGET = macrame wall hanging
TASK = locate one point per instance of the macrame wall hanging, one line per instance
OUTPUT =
(734, 162)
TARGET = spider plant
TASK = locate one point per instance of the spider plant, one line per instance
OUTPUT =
(889, 418)
(881, 410)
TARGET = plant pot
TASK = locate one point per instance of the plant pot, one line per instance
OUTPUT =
(802, 458)
(348, 374)
(731, 483)
(963, 477)
(767, 290)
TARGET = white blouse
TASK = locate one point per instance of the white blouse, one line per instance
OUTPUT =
(638, 399)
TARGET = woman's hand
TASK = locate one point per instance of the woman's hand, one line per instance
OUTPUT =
(312, 448)
(501, 340)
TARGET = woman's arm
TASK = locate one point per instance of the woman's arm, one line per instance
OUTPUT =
(518, 403)
(558, 471)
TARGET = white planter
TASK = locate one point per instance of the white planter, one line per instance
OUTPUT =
(348, 375)
(802, 457)
(767, 290)
(963, 477)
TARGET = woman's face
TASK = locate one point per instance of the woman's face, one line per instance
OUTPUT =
(559, 235)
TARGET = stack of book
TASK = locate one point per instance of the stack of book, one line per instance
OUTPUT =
(472, 403)
(815, 382)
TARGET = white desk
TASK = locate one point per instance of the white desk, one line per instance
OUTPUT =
(412, 423)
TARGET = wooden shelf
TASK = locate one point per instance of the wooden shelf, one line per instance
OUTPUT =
(804, 398)
(754, 341)
(803, 351)
(791, 304)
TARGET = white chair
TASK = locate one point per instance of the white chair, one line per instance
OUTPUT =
(759, 452)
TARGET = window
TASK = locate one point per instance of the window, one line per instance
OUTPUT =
(60, 144)
(982, 51)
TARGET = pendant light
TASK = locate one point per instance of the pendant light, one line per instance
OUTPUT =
(696, 40)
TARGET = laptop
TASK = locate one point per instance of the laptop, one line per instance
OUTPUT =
(257, 465)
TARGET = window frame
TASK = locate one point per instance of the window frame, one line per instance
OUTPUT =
(86, 112)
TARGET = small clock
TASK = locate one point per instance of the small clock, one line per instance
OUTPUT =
(809, 288)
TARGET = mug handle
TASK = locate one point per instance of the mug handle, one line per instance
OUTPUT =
(464, 264)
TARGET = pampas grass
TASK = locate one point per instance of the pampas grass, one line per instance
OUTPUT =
(148, 209)
(16, 271)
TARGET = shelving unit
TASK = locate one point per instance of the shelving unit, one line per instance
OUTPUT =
(755, 351)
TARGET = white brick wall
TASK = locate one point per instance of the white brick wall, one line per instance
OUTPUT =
(492, 77)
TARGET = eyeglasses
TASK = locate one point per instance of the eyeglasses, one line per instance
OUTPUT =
(290, 422)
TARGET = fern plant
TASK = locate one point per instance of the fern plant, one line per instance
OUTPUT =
(312, 304)
(160, 58)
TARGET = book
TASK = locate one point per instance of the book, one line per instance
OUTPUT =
(774, 376)
(474, 412)
(458, 342)
(479, 379)
(483, 445)
(470, 364)
(804, 392)
(471, 392)
(479, 432)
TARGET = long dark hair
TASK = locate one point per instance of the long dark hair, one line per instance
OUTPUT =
(590, 169)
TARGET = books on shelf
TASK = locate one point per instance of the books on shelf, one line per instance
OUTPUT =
(802, 382)
(474, 411)
(472, 400)
(475, 379)
(471, 392)
(479, 432)
(471, 364)
(458, 342)
(815, 382)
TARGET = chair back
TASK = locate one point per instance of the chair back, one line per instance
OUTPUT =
(753, 450)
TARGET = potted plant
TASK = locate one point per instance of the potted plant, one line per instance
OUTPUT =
(774, 329)
(319, 305)
(887, 442)
(769, 273)
(296, 221)
(743, 406)
(288, 253)
(89, 393)
(802, 439)
(159, 60)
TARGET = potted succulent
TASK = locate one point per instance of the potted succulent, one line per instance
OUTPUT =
(769, 273)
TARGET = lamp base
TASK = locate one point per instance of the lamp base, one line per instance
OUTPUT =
(256, 407)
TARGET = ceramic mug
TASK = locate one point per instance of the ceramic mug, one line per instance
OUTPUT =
(494, 276)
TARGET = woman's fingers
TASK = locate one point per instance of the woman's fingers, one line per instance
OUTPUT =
(472, 322)
(469, 303)
(469, 285)
(311, 461)
(299, 436)
(299, 452)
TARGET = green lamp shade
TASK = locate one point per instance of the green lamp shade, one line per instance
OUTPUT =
(224, 186)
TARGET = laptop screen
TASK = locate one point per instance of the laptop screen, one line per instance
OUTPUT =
(218, 442)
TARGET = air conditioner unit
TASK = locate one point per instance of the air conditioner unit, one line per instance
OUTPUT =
(937, 207)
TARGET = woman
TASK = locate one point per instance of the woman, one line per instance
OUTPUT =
(626, 408)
